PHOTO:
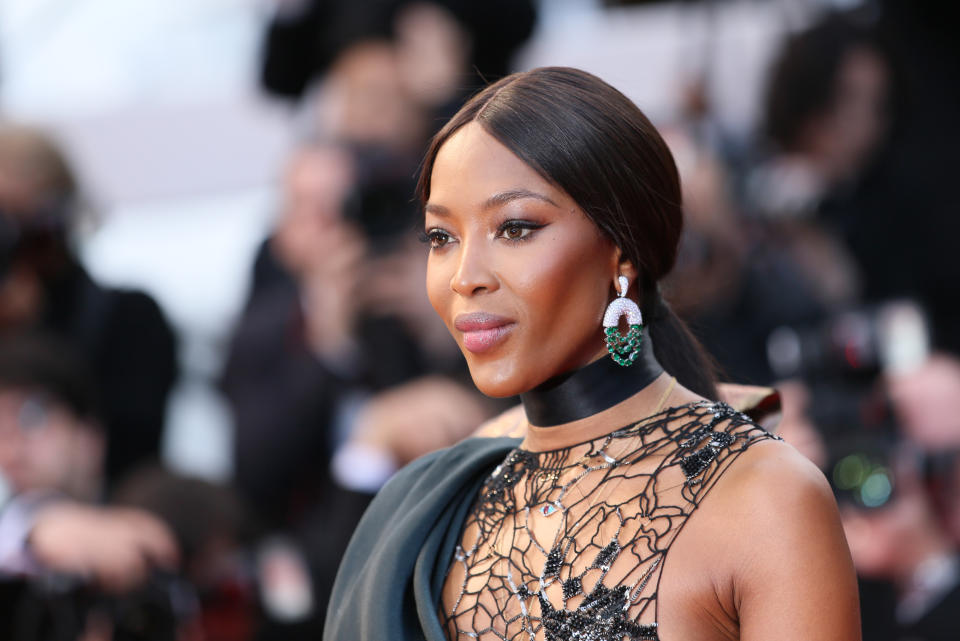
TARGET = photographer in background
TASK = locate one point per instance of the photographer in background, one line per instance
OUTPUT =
(55, 542)
(121, 334)
(304, 37)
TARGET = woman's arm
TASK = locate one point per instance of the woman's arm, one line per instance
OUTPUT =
(794, 578)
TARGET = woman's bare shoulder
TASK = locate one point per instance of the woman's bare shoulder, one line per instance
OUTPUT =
(776, 461)
(777, 520)
(775, 487)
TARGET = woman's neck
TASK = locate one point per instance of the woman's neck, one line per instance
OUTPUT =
(637, 407)
(596, 399)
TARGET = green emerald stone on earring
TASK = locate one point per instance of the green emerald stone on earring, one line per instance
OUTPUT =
(624, 349)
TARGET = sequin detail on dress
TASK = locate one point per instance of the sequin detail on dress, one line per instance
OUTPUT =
(568, 545)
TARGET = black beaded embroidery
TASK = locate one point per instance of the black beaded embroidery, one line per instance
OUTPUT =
(502, 479)
(568, 545)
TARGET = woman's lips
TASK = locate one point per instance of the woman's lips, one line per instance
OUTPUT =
(482, 331)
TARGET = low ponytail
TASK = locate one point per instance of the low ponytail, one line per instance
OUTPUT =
(680, 353)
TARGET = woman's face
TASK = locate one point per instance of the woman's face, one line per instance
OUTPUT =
(518, 273)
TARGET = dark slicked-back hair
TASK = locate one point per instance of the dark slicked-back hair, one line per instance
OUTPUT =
(590, 140)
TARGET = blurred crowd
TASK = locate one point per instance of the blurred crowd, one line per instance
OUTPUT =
(817, 257)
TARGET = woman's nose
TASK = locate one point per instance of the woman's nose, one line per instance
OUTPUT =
(474, 273)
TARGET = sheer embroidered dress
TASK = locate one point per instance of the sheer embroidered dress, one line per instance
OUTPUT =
(569, 544)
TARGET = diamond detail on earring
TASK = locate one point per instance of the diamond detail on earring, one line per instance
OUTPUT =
(622, 307)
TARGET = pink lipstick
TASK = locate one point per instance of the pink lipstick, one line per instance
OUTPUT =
(482, 331)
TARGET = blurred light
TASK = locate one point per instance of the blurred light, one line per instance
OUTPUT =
(783, 351)
(876, 489)
(904, 337)
(850, 472)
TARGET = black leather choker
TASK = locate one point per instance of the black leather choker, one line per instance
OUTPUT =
(590, 389)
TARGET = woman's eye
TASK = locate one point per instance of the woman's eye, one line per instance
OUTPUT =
(437, 238)
(517, 229)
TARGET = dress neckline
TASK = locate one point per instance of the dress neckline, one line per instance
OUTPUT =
(640, 426)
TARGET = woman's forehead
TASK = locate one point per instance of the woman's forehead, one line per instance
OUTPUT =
(474, 169)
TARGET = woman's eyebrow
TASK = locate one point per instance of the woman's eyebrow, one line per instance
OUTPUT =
(439, 210)
(504, 197)
(496, 200)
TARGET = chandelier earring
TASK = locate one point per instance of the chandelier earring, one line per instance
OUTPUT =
(623, 349)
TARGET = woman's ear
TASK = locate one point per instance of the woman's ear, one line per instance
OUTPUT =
(625, 267)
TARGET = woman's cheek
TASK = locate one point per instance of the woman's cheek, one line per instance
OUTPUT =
(438, 288)
(546, 280)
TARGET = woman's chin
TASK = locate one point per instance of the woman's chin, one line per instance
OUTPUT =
(505, 377)
(497, 389)
(497, 380)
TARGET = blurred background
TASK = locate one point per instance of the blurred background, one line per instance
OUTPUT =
(214, 341)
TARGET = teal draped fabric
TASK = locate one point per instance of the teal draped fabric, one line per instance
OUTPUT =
(389, 582)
